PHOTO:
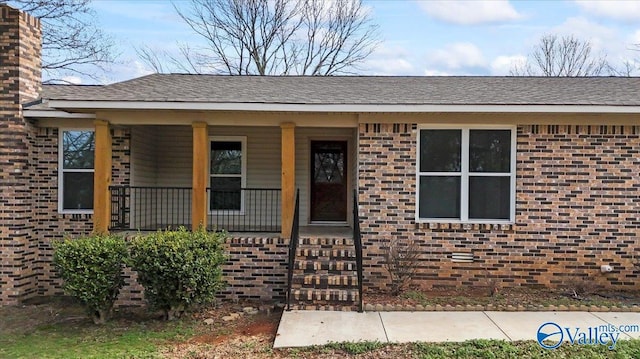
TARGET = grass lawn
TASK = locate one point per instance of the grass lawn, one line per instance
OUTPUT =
(529, 349)
(62, 340)
(61, 330)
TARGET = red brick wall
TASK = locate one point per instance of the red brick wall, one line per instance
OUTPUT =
(256, 269)
(50, 224)
(578, 207)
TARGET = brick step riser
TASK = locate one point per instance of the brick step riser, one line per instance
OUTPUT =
(348, 268)
(353, 304)
(327, 247)
(326, 307)
(330, 254)
(300, 272)
(326, 261)
(326, 242)
(299, 283)
(320, 287)
(351, 261)
(316, 280)
(319, 296)
(349, 246)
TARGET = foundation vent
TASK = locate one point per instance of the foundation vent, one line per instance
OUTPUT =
(462, 257)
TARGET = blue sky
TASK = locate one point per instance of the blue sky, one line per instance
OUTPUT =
(418, 37)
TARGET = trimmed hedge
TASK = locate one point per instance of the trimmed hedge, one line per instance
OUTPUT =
(91, 268)
(178, 268)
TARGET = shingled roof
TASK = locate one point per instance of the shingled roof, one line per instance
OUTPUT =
(360, 90)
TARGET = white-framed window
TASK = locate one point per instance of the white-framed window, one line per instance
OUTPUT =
(75, 170)
(466, 174)
(227, 173)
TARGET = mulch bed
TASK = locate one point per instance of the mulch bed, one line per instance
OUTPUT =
(505, 297)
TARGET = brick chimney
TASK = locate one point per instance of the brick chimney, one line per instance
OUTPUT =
(20, 83)
(20, 61)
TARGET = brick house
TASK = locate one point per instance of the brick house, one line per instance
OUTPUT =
(507, 181)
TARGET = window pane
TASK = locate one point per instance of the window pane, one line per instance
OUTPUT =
(328, 167)
(489, 197)
(78, 149)
(439, 197)
(440, 150)
(489, 151)
(225, 193)
(226, 157)
(77, 190)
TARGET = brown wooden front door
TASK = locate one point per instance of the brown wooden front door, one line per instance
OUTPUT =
(329, 181)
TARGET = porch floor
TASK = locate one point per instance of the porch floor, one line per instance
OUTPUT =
(305, 231)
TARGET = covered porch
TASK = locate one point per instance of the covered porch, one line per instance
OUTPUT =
(241, 179)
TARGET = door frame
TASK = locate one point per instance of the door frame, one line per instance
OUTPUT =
(348, 171)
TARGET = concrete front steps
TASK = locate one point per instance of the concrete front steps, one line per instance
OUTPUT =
(324, 275)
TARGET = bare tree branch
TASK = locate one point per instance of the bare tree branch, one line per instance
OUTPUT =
(71, 41)
(274, 37)
(151, 57)
(564, 56)
(627, 69)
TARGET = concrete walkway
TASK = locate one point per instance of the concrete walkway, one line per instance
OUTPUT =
(306, 328)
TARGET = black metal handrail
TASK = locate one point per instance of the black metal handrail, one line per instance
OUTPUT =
(357, 241)
(149, 208)
(293, 245)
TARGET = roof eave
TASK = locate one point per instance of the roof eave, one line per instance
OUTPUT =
(352, 108)
(56, 114)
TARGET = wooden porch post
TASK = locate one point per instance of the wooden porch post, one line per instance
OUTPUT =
(199, 187)
(288, 180)
(102, 177)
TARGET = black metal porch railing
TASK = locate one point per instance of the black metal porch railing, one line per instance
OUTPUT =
(244, 210)
(293, 245)
(119, 207)
(357, 241)
(149, 208)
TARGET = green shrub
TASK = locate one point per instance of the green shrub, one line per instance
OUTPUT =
(91, 270)
(178, 268)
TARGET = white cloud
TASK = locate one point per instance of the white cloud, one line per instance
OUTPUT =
(471, 12)
(429, 72)
(75, 80)
(626, 10)
(600, 36)
(126, 70)
(635, 38)
(385, 67)
(140, 69)
(389, 60)
(458, 56)
(502, 65)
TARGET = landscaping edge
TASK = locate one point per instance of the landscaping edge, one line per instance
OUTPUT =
(500, 308)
